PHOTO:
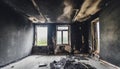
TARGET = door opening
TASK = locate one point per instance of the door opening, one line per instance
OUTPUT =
(95, 36)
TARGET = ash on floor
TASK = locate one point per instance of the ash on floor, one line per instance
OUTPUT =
(68, 62)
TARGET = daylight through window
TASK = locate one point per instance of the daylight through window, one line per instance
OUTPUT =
(62, 35)
(41, 36)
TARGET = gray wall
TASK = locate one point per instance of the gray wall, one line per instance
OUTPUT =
(16, 35)
(110, 33)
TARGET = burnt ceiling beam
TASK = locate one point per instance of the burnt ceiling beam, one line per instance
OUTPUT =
(38, 9)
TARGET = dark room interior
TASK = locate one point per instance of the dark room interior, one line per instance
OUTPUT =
(59, 34)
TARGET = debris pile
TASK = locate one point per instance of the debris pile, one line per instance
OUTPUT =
(69, 63)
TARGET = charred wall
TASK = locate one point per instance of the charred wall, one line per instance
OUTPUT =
(80, 36)
(78, 32)
(110, 33)
(76, 36)
(16, 35)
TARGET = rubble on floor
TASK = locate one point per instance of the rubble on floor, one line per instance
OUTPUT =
(59, 62)
(70, 63)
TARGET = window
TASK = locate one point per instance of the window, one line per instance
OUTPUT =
(41, 36)
(62, 35)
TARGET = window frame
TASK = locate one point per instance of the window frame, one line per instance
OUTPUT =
(35, 37)
(68, 30)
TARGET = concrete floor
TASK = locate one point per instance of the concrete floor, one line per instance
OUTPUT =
(33, 62)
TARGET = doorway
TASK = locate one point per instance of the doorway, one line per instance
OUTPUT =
(95, 35)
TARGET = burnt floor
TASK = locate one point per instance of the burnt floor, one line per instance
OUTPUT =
(35, 62)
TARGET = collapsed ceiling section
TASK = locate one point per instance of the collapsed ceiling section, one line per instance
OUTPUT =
(89, 7)
(56, 11)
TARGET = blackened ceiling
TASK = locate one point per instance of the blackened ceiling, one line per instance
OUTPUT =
(63, 11)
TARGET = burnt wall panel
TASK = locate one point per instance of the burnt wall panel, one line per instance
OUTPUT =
(110, 33)
(16, 35)
(76, 36)
(51, 37)
(85, 36)
(80, 36)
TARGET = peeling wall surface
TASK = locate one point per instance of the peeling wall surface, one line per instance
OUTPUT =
(110, 33)
(16, 35)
